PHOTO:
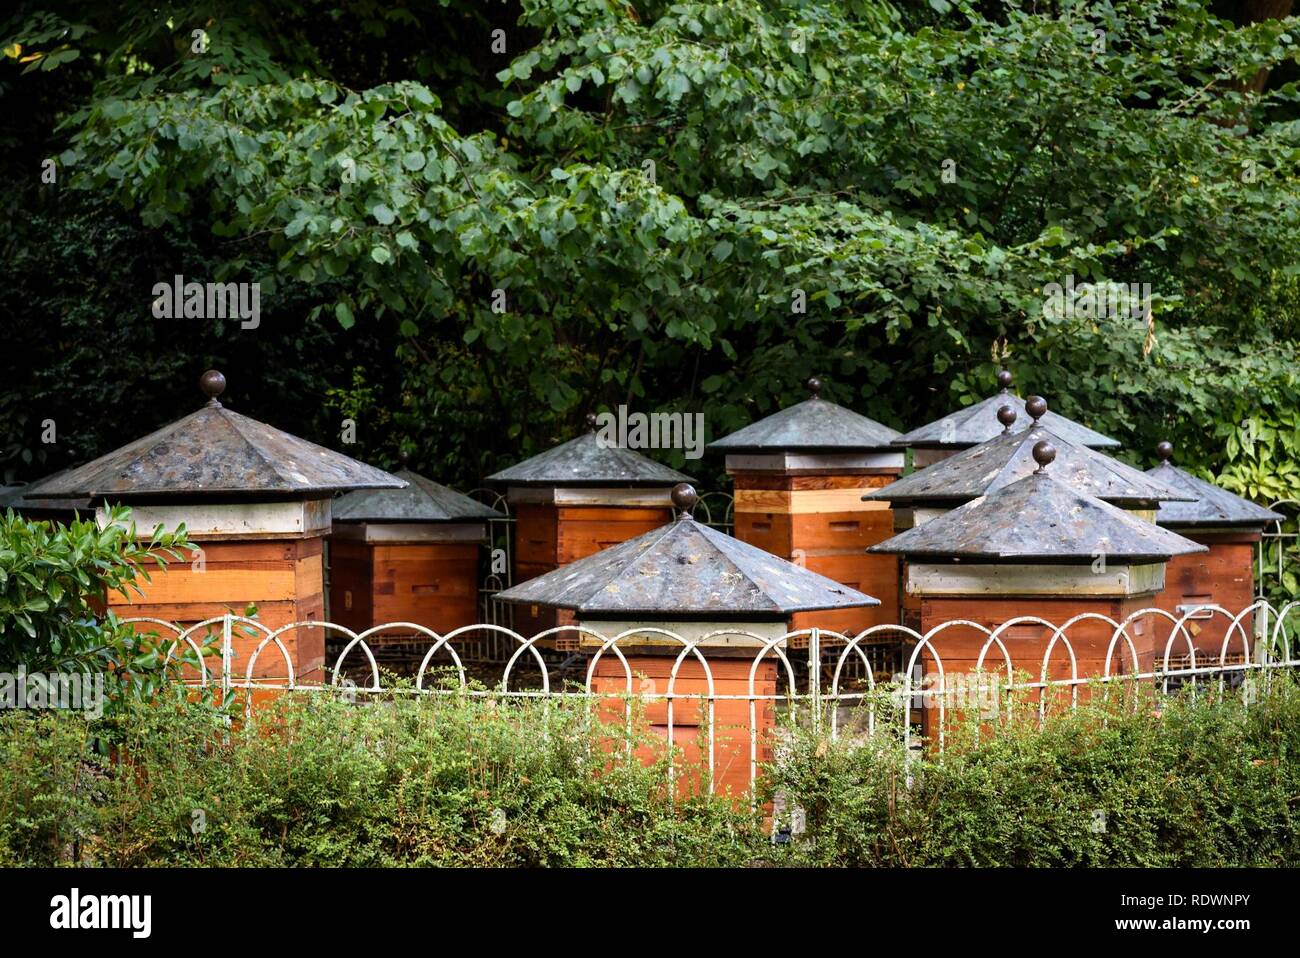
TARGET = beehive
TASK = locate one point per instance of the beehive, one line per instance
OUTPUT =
(1036, 547)
(574, 500)
(978, 423)
(1230, 528)
(799, 476)
(407, 555)
(972, 473)
(256, 502)
(693, 581)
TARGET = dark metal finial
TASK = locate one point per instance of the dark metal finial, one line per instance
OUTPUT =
(1036, 406)
(1044, 455)
(1007, 416)
(591, 421)
(403, 456)
(814, 387)
(213, 385)
(1164, 450)
(684, 498)
(1005, 379)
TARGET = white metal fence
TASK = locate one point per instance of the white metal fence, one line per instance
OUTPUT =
(811, 665)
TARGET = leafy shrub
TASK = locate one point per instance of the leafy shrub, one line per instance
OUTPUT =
(55, 581)
(461, 780)
(313, 780)
(1195, 782)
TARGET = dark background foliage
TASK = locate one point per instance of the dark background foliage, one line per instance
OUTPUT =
(650, 184)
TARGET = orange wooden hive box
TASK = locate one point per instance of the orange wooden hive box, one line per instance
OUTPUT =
(968, 474)
(407, 555)
(1035, 547)
(1230, 527)
(572, 501)
(799, 477)
(977, 423)
(255, 500)
(726, 598)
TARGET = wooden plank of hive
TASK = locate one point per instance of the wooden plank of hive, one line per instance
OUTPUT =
(803, 501)
(795, 482)
(582, 532)
(535, 534)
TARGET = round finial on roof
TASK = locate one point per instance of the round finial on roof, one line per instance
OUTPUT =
(684, 498)
(1007, 416)
(1044, 455)
(814, 387)
(403, 456)
(591, 421)
(1005, 379)
(213, 385)
(1164, 450)
(1036, 406)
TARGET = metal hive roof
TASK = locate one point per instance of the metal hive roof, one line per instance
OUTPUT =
(1039, 518)
(1009, 457)
(216, 452)
(1213, 506)
(31, 497)
(978, 423)
(423, 500)
(586, 461)
(812, 425)
(686, 569)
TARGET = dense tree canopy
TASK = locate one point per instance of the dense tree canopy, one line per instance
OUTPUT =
(472, 223)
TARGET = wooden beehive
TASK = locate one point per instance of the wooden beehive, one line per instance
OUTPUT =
(571, 502)
(727, 598)
(277, 575)
(1230, 528)
(799, 478)
(1035, 547)
(407, 555)
(255, 502)
(968, 474)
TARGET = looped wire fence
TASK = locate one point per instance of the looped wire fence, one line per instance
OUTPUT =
(818, 682)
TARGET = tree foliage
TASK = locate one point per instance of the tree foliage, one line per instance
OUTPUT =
(613, 202)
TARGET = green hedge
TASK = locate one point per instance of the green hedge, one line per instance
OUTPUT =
(460, 781)
(1208, 781)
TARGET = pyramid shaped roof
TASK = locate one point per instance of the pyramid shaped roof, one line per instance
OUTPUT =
(216, 452)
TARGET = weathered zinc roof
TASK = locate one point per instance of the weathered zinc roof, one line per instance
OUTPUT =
(978, 423)
(812, 425)
(1008, 457)
(1213, 506)
(685, 569)
(31, 498)
(423, 500)
(218, 452)
(1039, 518)
(587, 461)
